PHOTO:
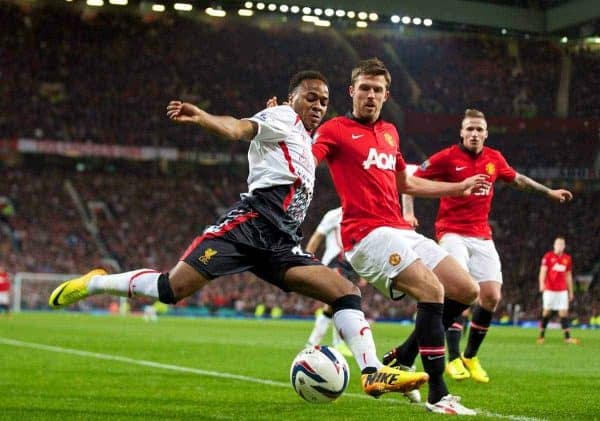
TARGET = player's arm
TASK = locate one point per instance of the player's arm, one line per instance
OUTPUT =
(408, 210)
(569, 276)
(542, 277)
(522, 182)
(226, 127)
(422, 187)
(314, 242)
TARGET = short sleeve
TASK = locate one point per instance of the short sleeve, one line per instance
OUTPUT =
(274, 123)
(325, 140)
(545, 260)
(506, 173)
(433, 167)
(400, 162)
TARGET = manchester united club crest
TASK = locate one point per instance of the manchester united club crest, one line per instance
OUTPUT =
(389, 139)
(490, 168)
(394, 259)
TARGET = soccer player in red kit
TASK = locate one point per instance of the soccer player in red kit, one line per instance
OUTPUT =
(368, 171)
(462, 229)
(4, 290)
(556, 285)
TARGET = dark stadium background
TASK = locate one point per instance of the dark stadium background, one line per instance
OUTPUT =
(93, 173)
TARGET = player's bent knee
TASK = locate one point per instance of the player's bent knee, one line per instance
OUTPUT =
(347, 302)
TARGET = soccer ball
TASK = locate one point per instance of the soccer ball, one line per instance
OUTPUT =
(319, 374)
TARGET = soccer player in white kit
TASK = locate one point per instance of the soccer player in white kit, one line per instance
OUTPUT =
(261, 233)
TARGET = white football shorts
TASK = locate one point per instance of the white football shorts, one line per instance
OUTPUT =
(385, 252)
(555, 300)
(477, 256)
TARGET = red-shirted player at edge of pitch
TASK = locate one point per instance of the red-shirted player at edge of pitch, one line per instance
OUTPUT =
(556, 286)
(463, 230)
(368, 171)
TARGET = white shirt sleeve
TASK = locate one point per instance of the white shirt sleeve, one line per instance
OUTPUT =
(274, 123)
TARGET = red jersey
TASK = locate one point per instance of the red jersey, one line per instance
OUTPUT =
(363, 160)
(4, 282)
(558, 266)
(465, 215)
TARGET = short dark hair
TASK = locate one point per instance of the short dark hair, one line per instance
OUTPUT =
(303, 75)
(372, 67)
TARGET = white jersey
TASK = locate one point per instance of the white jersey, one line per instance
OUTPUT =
(330, 228)
(281, 169)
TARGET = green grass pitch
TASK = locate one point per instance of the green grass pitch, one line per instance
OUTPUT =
(59, 366)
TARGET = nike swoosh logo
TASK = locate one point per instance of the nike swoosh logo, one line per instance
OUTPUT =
(435, 357)
(460, 168)
(55, 301)
(357, 136)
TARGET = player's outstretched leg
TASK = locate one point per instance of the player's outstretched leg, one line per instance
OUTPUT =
(480, 324)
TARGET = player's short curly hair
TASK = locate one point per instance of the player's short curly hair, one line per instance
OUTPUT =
(303, 75)
(372, 67)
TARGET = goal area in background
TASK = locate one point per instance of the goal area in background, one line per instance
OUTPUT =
(30, 291)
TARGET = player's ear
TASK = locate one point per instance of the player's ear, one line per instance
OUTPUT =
(351, 90)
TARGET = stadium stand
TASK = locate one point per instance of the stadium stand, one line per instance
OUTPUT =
(115, 88)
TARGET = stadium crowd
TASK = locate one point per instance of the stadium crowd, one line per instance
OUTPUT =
(107, 78)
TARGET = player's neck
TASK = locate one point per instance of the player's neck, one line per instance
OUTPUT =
(473, 154)
(363, 121)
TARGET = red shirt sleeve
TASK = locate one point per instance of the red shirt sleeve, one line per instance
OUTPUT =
(325, 142)
(545, 260)
(570, 265)
(506, 173)
(434, 167)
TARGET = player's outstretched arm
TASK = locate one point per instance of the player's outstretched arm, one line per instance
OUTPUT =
(525, 183)
(422, 187)
(226, 127)
(408, 210)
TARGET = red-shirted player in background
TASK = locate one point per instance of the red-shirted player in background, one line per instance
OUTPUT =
(556, 285)
(462, 229)
(368, 171)
(4, 290)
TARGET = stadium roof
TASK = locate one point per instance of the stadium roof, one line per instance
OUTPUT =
(575, 18)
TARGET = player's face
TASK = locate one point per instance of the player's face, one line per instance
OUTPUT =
(559, 245)
(474, 133)
(368, 95)
(309, 101)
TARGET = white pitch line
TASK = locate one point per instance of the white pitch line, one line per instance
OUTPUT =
(217, 374)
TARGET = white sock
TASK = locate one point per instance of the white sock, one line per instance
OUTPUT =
(322, 323)
(335, 338)
(127, 284)
(356, 331)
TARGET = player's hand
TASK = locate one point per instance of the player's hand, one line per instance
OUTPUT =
(571, 296)
(272, 102)
(412, 220)
(183, 112)
(561, 195)
(476, 184)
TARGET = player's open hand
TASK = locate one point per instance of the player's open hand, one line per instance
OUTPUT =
(477, 185)
(272, 102)
(561, 195)
(183, 112)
